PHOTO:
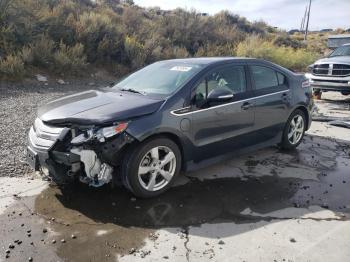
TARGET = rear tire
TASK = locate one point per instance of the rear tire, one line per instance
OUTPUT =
(150, 168)
(294, 130)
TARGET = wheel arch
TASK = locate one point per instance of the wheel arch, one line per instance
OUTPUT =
(173, 137)
(304, 109)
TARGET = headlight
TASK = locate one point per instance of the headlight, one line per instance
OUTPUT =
(310, 68)
(110, 131)
(99, 134)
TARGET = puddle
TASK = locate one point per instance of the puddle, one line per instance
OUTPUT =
(109, 222)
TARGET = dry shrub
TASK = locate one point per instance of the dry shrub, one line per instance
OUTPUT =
(12, 66)
(69, 58)
(295, 59)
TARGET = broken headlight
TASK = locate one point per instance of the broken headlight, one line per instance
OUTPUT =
(100, 134)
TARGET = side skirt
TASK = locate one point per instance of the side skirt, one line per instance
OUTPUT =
(191, 165)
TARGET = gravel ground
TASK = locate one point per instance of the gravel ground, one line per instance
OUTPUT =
(18, 106)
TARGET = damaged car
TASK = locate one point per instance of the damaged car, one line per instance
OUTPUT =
(169, 117)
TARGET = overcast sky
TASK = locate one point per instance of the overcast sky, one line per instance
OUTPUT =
(286, 14)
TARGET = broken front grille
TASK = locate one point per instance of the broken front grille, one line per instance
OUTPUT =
(331, 70)
(42, 137)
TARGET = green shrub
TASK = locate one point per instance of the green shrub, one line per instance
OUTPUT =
(12, 66)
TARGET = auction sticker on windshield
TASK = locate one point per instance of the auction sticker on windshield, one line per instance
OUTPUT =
(181, 68)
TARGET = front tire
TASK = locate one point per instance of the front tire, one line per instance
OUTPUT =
(150, 168)
(294, 130)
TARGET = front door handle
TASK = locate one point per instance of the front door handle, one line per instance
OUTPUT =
(246, 106)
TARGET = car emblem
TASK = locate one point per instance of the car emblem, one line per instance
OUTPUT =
(330, 69)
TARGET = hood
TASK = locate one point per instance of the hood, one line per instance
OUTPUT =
(334, 60)
(97, 107)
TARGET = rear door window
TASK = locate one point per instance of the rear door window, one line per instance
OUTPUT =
(264, 77)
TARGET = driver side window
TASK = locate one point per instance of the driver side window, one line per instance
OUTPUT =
(230, 77)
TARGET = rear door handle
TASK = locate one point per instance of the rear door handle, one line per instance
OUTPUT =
(246, 106)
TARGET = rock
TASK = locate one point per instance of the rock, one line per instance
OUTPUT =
(166, 257)
(133, 199)
(113, 203)
(44, 230)
(7, 251)
(144, 253)
(30, 259)
(91, 84)
(61, 81)
(28, 231)
(11, 246)
(292, 240)
(19, 242)
(63, 240)
(53, 241)
(41, 78)
(221, 242)
(29, 235)
(73, 236)
(132, 251)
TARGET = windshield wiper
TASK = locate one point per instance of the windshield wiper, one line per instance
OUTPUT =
(132, 91)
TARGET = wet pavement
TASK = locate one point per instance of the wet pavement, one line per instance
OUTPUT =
(270, 204)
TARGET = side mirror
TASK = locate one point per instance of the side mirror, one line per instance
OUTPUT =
(220, 94)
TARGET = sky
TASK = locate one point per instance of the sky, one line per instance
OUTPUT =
(285, 14)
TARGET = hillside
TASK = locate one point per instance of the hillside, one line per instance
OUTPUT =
(66, 37)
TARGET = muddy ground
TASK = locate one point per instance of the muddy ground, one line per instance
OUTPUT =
(268, 205)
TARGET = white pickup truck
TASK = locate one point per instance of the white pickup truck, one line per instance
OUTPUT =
(331, 73)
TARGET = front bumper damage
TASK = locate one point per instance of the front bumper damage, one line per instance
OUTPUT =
(94, 162)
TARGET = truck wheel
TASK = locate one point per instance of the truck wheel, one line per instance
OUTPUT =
(317, 94)
(294, 130)
(151, 167)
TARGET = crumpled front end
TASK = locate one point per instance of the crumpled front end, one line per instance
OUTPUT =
(69, 153)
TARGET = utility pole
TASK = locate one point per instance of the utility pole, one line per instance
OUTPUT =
(307, 22)
(302, 26)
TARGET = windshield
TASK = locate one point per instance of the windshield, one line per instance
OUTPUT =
(161, 78)
(341, 51)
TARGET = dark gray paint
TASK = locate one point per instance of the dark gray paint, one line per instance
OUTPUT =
(250, 120)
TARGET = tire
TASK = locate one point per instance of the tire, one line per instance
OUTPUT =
(287, 140)
(317, 92)
(147, 176)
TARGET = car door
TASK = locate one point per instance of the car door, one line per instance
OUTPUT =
(221, 127)
(272, 101)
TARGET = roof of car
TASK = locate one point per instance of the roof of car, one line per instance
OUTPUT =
(210, 60)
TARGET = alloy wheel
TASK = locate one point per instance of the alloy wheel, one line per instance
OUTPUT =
(157, 168)
(296, 129)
